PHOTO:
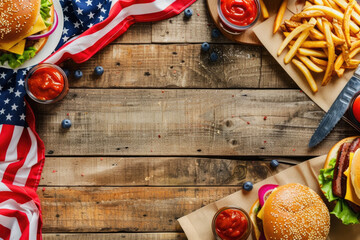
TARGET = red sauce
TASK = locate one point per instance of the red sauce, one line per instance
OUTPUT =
(231, 224)
(46, 83)
(356, 108)
(239, 12)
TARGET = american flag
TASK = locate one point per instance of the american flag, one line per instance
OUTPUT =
(89, 25)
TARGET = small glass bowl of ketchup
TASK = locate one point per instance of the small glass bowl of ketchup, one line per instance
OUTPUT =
(354, 109)
(46, 83)
(236, 16)
(231, 223)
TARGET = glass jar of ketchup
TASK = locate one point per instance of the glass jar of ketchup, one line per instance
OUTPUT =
(46, 83)
(236, 16)
(231, 223)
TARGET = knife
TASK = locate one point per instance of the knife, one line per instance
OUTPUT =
(337, 110)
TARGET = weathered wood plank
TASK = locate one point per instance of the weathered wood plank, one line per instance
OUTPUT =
(114, 236)
(137, 34)
(180, 30)
(125, 209)
(147, 171)
(172, 66)
(272, 74)
(184, 123)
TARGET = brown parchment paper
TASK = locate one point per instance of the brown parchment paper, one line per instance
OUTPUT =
(326, 95)
(197, 225)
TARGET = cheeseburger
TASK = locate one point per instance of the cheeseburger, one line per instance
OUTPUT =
(289, 212)
(24, 29)
(340, 179)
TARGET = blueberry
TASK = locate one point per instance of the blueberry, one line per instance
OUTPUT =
(215, 33)
(274, 163)
(78, 74)
(248, 186)
(188, 12)
(67, 72)
(99, 70)
(66, 123)
(214, 57)
(205, 47)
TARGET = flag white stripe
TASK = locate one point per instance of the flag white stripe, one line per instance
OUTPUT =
(12, 224)
(31, 159)
(82, 43)
(28, 208)
(11, 153)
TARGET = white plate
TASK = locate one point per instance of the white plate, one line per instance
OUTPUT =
(51, 43)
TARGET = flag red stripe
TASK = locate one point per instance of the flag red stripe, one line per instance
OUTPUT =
(4, 232)
(23, 148)
(22, 220)
(5, 139)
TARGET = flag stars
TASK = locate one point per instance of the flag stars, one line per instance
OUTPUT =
(14, 107)
(90, 25)
(79, 11)
(17, 93)
(3, 75)
(8, 117)
(20, 82)
(99, 5)
(77, 25)
(91, 15)
(65, 31)
(11, 90)
(22, 117)
(65, 38)
(103, 10)
(66, 19)
(6, 101)
(101, 18)
(2, 111)
(88, 3)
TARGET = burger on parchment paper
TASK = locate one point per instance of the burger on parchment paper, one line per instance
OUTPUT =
(292, 212)
(340, 179)
(24, 29)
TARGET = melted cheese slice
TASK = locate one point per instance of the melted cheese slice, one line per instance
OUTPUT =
(18, 48)
(38, 27)
(350, 192)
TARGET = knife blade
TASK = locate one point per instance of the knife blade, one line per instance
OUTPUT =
(337, 110)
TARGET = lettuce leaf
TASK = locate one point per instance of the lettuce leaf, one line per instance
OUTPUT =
(344, 213)
(45, 11)
(342, 209)
(325, 180)
(15, 60)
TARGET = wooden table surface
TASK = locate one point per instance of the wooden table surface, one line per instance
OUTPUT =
(165, 131)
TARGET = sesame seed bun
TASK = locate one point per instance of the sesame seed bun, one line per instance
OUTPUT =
(17, 18)
(355, 172)
(295, 211)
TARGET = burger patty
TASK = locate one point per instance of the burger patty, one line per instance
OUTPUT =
(342, 163)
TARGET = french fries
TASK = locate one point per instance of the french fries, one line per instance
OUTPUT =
(307, 74)
(264, 10)
(331, 53)
(346, 21)
(324, 38)
(280, 15)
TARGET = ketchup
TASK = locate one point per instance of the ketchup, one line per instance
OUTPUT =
(239, 12)
(46, 83)
(356, 108)
(231, 224)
